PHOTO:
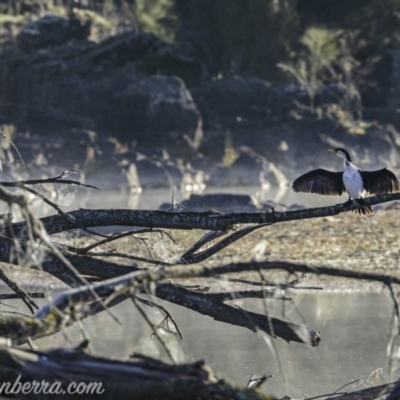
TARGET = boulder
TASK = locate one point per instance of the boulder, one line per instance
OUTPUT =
(105, 59)
(52, 30)
(59, 95)
(172, 60)
(253, 101)
(156, 103)
(105, 83)
(233, 99)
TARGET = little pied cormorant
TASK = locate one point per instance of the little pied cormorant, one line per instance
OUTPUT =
(352, 180)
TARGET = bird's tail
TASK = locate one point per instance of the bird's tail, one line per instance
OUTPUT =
(364, 210)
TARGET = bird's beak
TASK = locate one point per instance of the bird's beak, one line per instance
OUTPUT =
(332, 151)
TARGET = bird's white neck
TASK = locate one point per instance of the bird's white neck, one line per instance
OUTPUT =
(347, 163)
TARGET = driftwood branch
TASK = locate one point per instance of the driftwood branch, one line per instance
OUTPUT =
(66, 309)
(193, 220)
(154, 219)
(222, 312)
(141, 279)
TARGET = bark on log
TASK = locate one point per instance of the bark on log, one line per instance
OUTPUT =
(138, 378)
(222, 312)
(207, 220)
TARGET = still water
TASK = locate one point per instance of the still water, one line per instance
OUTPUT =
(354, 328)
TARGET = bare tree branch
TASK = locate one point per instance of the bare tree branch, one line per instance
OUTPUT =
(192, 220)
(21, 293)
(290, 285)
(55, 179)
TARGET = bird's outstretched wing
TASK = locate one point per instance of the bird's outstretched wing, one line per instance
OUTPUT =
(320, 181)
(381, 181)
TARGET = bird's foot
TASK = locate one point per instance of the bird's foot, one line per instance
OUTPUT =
(361, 202)
(366, 210)
(349, 202)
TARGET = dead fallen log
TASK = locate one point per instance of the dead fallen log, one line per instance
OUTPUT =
(50, 316)
(72, 306)
(67, 307)
(207, 220)
(203, 304)
(101, 378)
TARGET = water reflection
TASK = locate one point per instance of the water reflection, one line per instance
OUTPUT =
(354, 328)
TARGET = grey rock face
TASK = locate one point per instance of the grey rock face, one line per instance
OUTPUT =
(160, 103)
(233, 98)
(52, 30)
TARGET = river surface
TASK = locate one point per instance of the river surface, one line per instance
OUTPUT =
(354, 327)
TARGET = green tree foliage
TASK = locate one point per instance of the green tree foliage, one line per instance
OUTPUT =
(251, 37)
(246, 37)
(378, 21)
(108, 17)
(321, 49)
(156, 16)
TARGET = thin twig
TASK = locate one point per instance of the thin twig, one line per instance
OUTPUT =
(266, 283)
(55, 179)
(14, 286)
(13, 145)
(396, 305)
(67, 216)
(127, 256)
(114, 237)
(168, 315)
(155, 332)
(271, 327)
